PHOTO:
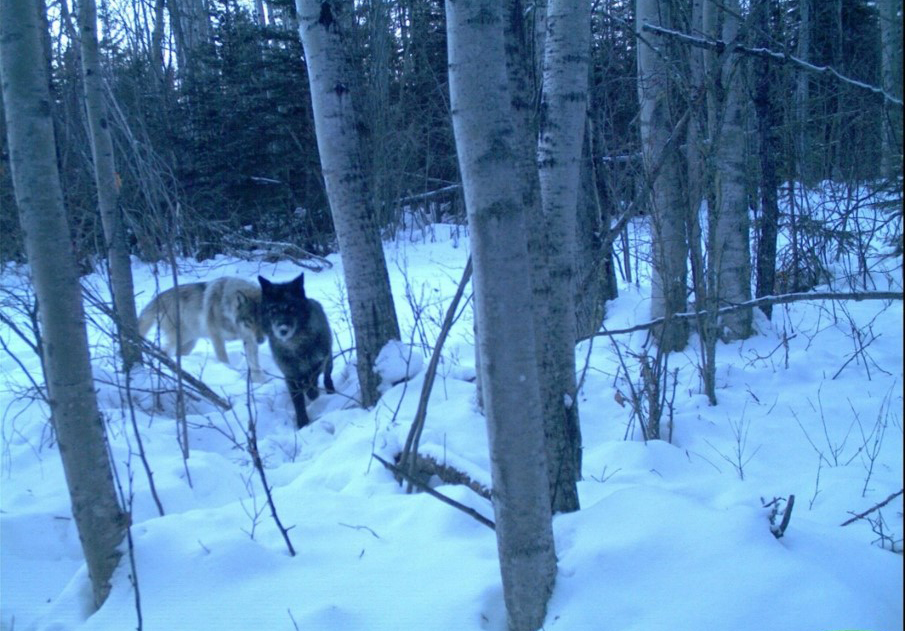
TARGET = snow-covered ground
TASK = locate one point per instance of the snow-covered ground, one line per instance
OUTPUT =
(670, 536)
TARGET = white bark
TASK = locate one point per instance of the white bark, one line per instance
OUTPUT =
(107, 188)
(729, 254)
(483, 126)
(332, 82)
(190, 21)
(891, 82)
(667, 202)
(78, 424)
(563, 121)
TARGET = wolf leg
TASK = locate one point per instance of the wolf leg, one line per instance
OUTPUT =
(187, 347)
(297, 393)
(328, 378)
(219, 347)
(251, 356)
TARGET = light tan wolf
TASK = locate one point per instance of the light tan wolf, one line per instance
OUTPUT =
(224, 309)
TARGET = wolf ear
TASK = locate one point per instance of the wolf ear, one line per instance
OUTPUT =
(265, 284)
(299, 284)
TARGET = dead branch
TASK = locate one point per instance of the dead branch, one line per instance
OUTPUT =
(760, 302)
(424, 197)
(196, 384)
(872, 509)
(720, 46)
(427, 466)
(275, 251)
(399, 473)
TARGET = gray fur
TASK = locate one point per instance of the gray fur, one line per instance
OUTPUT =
(222, 310)
(300, 340)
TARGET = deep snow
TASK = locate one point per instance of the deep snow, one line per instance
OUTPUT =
(671, 536)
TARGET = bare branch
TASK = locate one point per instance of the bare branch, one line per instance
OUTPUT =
(760, 302)
(870, 510)
(720, 46)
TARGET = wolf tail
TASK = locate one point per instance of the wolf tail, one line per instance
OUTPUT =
(148, 316)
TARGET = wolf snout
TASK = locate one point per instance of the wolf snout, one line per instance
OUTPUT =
(283, 331)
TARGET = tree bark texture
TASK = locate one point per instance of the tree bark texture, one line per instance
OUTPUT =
(79, 427)
(891, 81)
(322, 27)
(729, 255)
(190, 22)
(490, 167)
(669, 272)
(107, 188)
(563, 120)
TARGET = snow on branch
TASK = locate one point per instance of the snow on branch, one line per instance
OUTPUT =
(720, 46)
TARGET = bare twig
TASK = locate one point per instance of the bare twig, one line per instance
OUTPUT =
(409, 458)
(252, 437)
(872, 509)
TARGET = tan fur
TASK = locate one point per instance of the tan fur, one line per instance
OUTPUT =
(221, 310)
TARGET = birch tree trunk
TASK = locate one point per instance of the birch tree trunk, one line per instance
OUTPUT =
(107, 188)
(73, 406)
(483, 126)
(729, 255)
(322, 27)
(190, 22)
(563, 121)
(891, 78)
(667, 200)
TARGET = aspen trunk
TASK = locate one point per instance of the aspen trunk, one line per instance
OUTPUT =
(490, 166)
(729, 254)
(563, 122)
(667, 200)
(67, 364)
(107, 188)
(322, 27)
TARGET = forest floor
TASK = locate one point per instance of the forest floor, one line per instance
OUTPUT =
(671, 536)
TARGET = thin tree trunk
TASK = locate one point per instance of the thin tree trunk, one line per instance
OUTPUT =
(490, 167)
(105, 178)
(191, 27)
(768, 122)
(802, 92)
(156, 52)
(729, 255)
(322, 29)
(563, 120)
(667, 201)
(891, 81)
(76, 419)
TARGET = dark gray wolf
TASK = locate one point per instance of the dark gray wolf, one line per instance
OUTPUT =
(221, 310)
(300, 340)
